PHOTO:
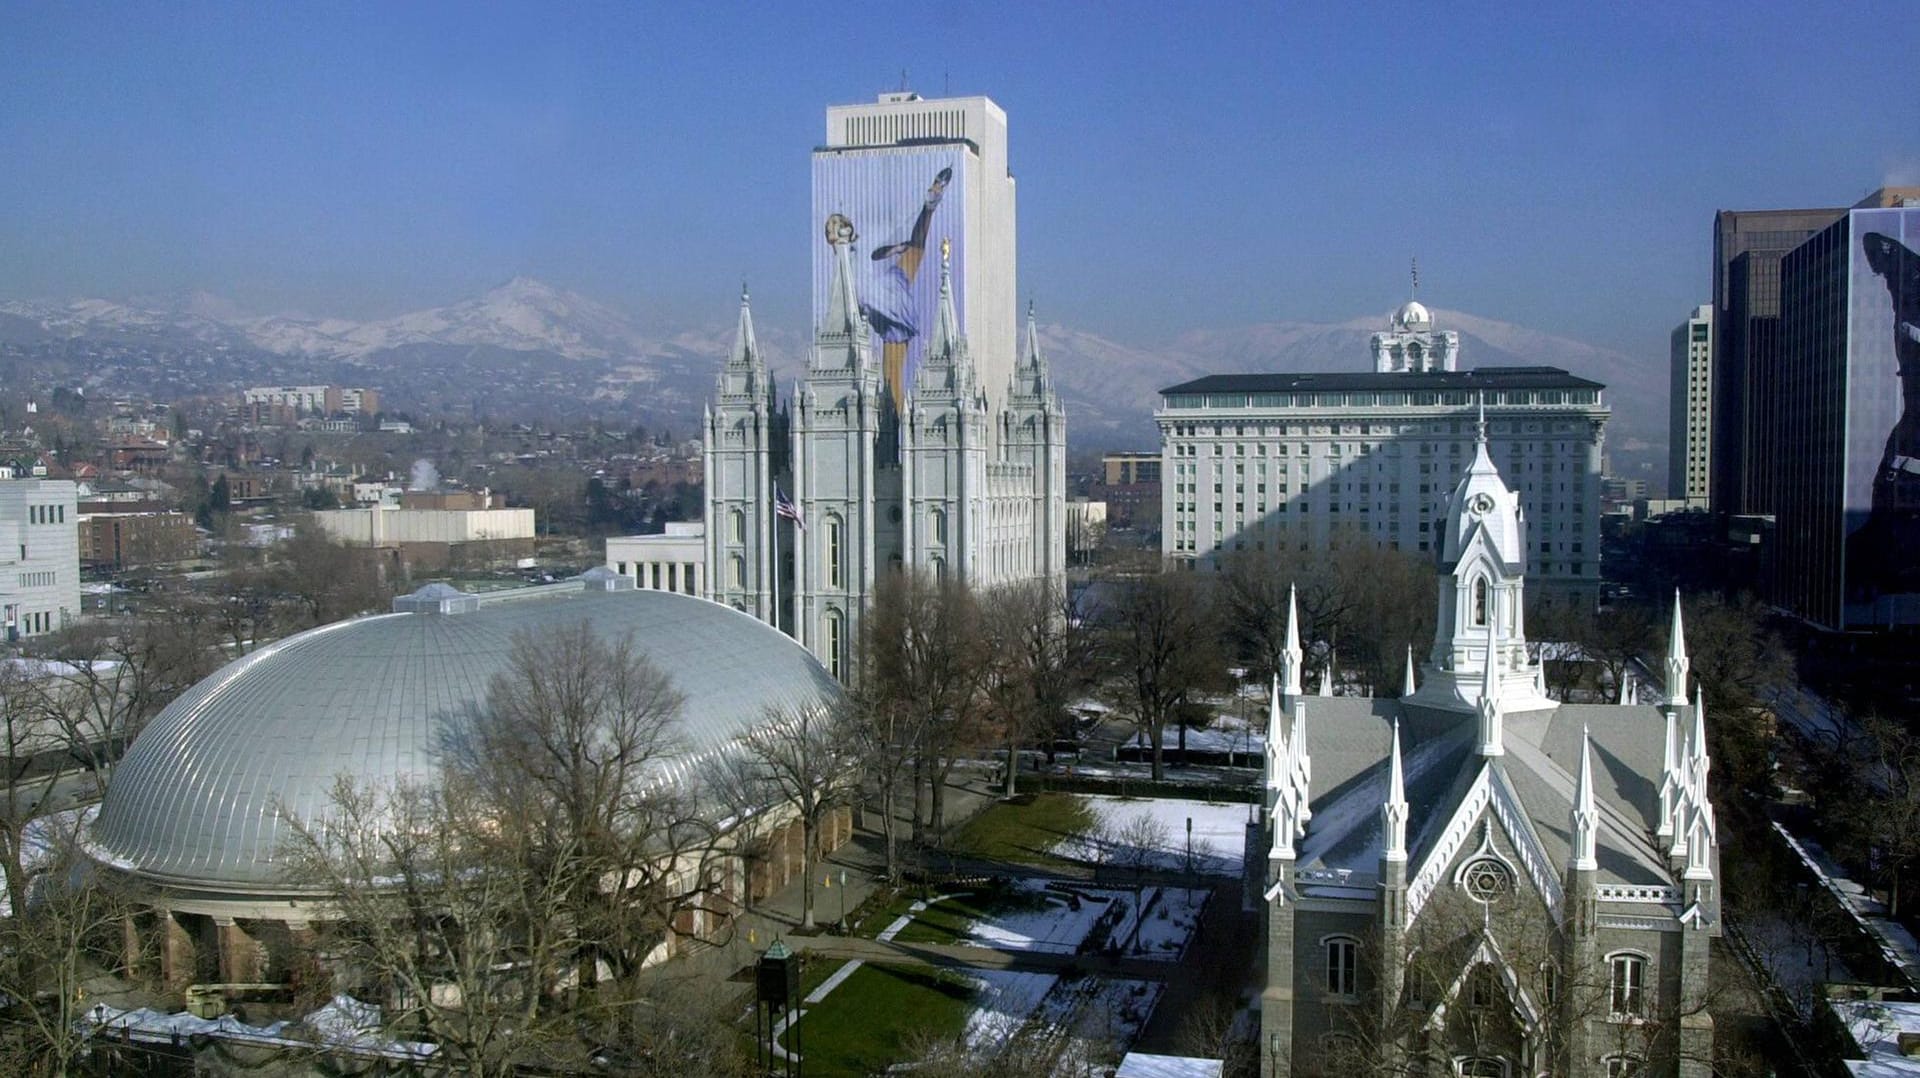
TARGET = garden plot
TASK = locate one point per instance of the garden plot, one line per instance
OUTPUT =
(1152, 833)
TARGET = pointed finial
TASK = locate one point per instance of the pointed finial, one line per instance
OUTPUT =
(1393, 813)
(1676, 657)
(1326, 678)
(946, 251)
(743, 291)
(1410, 683)
(1480, 424)
(1291, 658)
(1586, 819)
(1491, 736)
(1415, 290)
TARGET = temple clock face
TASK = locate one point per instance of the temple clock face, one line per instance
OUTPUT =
(1480, 504)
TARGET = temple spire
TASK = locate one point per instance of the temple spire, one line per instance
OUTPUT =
(1409, 690)
(745, 348)
(1671, 778)
(1326, 678)
(1676, 658)
(1586, 819)
(1393, 813)
(946, 327)
(843, 304)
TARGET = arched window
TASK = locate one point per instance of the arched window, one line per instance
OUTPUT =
(1343, 958)
(836, 570)
(1627, 983)
(836, 642)
(737, 572)
(737, 526)
(939, 567)
(1480, 600)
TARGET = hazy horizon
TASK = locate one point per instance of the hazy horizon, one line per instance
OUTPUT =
(1176, 173)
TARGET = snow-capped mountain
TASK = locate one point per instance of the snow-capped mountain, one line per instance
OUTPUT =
(564, 343)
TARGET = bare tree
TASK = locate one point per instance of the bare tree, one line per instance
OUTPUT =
(808, 758)
(509, 908)
(1040, 655)
(1161, 652)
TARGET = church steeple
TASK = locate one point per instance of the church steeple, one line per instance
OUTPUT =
(745, 348)
(1291, 658)
(1676, 658)
(1492, 716)
(1586, 818)
(946, 326)
(1393, 813)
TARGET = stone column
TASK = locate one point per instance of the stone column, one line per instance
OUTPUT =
(176, 951)
(238, 955)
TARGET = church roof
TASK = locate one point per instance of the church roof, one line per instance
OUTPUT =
(1350, 738)
(1488, 378)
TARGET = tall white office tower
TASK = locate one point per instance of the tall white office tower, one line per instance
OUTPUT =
(1689, 441)
(919, 437)
(912, 176)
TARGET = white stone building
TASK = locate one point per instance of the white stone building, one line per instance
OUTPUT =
(1272, 461)
(674, 560)
(39, 557)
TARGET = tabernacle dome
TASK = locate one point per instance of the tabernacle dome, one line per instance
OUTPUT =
(200, 803)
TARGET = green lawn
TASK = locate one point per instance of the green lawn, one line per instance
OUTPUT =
(878, 1017)
(1025, 831)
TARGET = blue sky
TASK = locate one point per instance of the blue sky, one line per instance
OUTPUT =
(1180, 166)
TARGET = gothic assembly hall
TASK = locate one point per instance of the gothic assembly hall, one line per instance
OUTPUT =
(1473, 879)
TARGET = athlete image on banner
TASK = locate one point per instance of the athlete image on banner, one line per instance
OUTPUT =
(1884, 554)
(893, 210)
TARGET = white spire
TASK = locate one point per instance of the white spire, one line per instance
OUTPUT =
(1670, 779)
(1326, 678)
(843, 304)
(1291, 658)
(1410, 684)
(1676, 658)
(1586, 819)
(1629, 691)
(1393, 813)
(1697, 762)
(946, 327)
(1276, 738)
(745, 349)
(1491, 741)
(1490, 713)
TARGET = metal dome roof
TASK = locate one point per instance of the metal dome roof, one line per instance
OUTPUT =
(198, 799)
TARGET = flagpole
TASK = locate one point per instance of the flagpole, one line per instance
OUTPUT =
(776, 569)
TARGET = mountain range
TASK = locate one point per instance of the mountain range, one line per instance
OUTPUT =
(569, 354)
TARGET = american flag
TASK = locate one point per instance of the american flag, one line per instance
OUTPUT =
(783, 507)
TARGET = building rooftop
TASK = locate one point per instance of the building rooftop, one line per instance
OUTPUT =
(206, 794)
(1488, 378)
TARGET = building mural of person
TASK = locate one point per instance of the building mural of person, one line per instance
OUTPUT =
(1884, 554)
(888, 300)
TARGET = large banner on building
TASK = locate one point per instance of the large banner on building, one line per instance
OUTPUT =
(902, 208)
(1883, 418)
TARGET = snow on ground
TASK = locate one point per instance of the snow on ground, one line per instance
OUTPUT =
(1896, 944)
(1171, 914)
(344, 1022)
(1059, 927)
(1152, 833)
(38, 841)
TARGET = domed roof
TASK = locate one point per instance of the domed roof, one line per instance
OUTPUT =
(199, 798)
(1413, 314)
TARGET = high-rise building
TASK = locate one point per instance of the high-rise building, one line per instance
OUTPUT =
(917, 438)
(39, 556)
(1271, 461)
(1838, 460)
(907, 183)
(1747, 248)
(1689, 441)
